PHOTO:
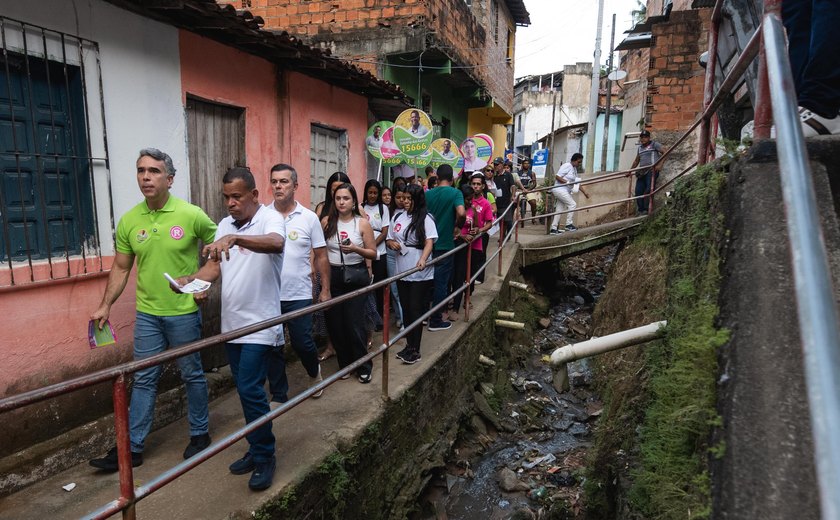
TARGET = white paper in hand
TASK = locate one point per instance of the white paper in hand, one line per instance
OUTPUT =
(195, 286)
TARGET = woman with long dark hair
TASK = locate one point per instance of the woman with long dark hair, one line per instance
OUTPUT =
(379, 218)
(412, 236)
(390, 258)
(319, 325)
(349, 243)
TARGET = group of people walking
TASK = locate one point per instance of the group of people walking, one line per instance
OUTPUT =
(281, 257)
(275, 259)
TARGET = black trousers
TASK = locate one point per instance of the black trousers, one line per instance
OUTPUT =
(415, 298)
(380, 272)
(345, 326)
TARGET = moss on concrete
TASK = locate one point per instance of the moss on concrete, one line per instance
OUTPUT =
(380, 473)
(664, 392)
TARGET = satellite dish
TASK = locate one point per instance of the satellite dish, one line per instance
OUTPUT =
(617, 75)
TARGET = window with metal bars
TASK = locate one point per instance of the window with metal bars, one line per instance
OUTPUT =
(48, 221)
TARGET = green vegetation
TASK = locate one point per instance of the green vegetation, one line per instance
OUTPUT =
(668, 387)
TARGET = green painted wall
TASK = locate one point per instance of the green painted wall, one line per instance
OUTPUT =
(444, 102)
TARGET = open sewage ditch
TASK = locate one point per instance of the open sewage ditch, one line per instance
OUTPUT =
(523, 453)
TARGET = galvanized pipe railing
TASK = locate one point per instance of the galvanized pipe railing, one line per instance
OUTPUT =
(815, 303)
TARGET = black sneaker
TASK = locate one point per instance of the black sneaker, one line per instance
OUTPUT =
(197, 444)
(441, 325)
(555, 231)
(571, 227)
(243, 465)
(411, 357)
(402, 353)
(263, 475)
(109, 461)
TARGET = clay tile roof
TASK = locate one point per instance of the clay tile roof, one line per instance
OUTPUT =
(242, 30)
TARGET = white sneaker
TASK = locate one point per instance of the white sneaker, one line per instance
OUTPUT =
(813, 124)
(314, 381)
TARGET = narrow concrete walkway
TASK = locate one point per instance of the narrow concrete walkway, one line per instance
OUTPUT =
(306, 435)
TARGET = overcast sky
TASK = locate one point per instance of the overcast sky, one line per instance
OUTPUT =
(562, 32)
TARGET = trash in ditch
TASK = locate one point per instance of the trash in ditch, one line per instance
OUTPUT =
(538, 493)
(503, 503)
(486, 360)
(545, 459)
(69, 487)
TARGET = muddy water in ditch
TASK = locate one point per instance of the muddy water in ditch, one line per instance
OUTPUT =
(530, 464)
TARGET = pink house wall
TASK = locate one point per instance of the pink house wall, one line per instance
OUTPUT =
(215, 72)
(308, 101)
(44, 327)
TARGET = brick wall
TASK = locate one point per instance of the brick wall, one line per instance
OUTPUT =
(675, 78)
(676, 81)
(328, 16)
(391, 26)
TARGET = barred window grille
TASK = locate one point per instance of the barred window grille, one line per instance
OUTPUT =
(52, 164)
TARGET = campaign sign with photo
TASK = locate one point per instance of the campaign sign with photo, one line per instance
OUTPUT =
(445, 151)
(391, 155)
(477, 151)
(375, 135)
(413, 132)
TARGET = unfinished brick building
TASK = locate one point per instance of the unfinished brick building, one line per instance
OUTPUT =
(453, 57)
(664, 84)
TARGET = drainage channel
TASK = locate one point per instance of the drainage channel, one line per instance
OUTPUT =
(523, 453)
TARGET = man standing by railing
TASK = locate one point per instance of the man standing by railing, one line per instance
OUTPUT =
(647, 154)
(304, 242)
(247, 254)
(162, 232)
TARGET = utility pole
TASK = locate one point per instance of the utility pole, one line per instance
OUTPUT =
(609, 99)
(593, 92)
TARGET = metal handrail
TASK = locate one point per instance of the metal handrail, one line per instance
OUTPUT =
(815, 303)
(129, 496)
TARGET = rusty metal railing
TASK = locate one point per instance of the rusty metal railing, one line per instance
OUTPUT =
(129, 495)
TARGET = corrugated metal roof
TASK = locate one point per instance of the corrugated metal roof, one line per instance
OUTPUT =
(243, 30)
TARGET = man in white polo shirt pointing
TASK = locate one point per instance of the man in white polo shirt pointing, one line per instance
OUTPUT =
(247, 254)
(304, 243)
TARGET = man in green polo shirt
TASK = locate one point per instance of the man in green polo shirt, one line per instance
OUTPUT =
(162, 233)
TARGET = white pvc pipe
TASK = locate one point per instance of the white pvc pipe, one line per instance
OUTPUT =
(592, 347)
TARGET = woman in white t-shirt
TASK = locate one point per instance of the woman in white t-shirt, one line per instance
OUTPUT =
(379, 219)
(412, 235)
(349, 242)
(395, 207)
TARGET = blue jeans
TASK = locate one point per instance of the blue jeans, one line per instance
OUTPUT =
(300, 332)
(153, 335)
(643, 188)
(443, 279)
(248, 363)
(395, 295)
(814, 44)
